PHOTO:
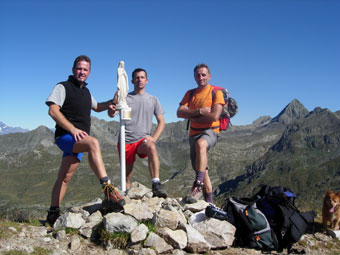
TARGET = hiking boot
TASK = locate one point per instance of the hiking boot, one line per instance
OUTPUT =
(214, 212)
(158, 191)
(112, 195)
(52, 216)
(195, 193)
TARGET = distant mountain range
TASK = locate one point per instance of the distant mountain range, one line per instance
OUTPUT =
(297, 148)
(4, 129)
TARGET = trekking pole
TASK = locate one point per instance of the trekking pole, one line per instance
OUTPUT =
(173, 176)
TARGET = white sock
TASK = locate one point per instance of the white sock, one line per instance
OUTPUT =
(154, 180)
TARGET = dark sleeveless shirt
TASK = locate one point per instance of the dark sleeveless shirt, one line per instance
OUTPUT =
(76, 107)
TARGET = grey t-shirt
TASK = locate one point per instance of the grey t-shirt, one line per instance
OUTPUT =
(58, 96)
(143, 108)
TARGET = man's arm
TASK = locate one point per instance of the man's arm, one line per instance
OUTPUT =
(112, 111)
(159, 129)
(59, 118)
(103, 106)
(183, 111)
(207, 115)
(202, 115)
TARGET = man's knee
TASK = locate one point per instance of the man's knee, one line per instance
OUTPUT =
(66, 180)
(201, 145)
(151, 149)
(93, 143)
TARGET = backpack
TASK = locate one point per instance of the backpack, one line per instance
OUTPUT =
(252, 227)
(278, 204)
(229, 110)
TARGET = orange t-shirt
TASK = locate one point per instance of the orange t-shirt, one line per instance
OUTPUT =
(203, 98)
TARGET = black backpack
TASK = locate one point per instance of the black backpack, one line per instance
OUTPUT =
(252, 228)
(278, 204)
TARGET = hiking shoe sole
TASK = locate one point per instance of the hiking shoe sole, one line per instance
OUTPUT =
(189, 200)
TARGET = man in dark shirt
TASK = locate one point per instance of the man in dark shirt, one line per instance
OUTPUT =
(70, 105)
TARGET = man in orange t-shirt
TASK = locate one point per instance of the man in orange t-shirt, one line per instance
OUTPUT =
(203, 110)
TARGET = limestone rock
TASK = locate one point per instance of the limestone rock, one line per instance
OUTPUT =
(196, 241)
(156, 242)
(139, 234)
(70, 220)
(140, 211)
(177, 238)
(137, 191)
(165, 218)
(118, 222)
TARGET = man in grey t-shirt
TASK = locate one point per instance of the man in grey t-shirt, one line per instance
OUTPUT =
(138, 138)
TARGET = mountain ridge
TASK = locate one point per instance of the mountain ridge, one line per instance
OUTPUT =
(305, 154)
(4, 129)
(270, 150)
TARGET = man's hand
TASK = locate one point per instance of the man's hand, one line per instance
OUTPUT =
(148, 139)
(204, 110)
(112, 111)
(78, 134)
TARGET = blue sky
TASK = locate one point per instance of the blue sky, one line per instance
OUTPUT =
(265, 52)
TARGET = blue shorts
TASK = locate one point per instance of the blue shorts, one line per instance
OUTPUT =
(66, 143)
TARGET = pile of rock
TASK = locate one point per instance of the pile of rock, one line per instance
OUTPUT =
(178, 227)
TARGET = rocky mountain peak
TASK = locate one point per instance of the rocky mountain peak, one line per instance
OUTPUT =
(261, 120)
(4, 129)
(42, 130)
(292, 112)
(337, 113)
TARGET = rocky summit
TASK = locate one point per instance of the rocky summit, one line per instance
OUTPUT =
(146, 225)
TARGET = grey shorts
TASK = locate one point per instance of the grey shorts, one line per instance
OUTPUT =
(210, 136)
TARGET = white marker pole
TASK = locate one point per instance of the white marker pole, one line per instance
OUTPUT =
(125, 114)
(122, 153)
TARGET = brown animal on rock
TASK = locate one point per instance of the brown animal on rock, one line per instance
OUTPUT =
(331, 210)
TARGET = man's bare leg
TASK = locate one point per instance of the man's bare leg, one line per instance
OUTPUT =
(69, 165)
(149, 148)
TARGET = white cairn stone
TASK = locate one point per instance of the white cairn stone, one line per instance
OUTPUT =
(137, 191)
(165, 218)
(139, 234)
(118, 222)
(154, 203)
(158, 243)
(196, 207)
(219, 234)
(70, 220)
(95, 217)
(196, 241)
(87, 229)
(140, 211)
(177, 238)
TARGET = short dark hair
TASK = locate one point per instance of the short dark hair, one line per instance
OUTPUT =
(200, 66)
(82, 58)
(137, 70)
